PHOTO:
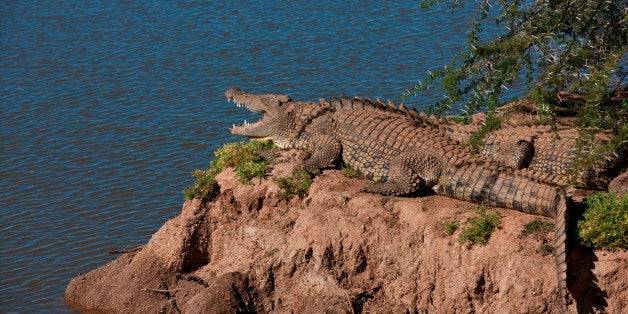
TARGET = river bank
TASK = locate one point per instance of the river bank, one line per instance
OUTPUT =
(343, 250)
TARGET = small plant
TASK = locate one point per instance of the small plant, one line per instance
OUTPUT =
(451, 226)
(246, 158)
(537, 227)
(605, 221)
(296, 184)
(545, 248)
(458, 119)
(272, 252)
(481, 226)
(343, 198)
(350, 172)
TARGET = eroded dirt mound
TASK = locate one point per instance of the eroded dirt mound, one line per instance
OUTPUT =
(344, 251)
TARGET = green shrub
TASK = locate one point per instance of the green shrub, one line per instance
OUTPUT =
(451, 226)
(205, 185)
(235, 154)
(605, 221)
(481, 226)
(251, 169)
(549, 46)
(296, 184)
(246, 158)
(540, 49)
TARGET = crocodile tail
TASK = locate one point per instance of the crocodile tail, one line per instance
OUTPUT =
(560, 247)
(498, 187)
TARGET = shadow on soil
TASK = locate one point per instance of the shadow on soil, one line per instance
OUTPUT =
(581, 281)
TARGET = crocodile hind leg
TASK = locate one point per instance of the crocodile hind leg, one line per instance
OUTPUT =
(408, 172)
(514, 155)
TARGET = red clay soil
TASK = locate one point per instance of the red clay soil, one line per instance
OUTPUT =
(342, 250)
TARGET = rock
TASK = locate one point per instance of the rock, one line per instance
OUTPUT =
(225, 294)
(341, 250)
(619, 185)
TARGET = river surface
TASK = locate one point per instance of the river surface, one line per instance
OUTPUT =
(106, 107)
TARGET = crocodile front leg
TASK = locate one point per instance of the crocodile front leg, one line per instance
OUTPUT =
(408, 172)
(325, 154)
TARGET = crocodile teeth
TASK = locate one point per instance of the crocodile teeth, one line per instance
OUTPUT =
(245, 124)
(238, 103)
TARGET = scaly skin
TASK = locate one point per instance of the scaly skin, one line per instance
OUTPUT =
(404, 151)
(546, 150)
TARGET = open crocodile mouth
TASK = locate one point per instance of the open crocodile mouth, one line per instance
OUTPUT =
(258, 129)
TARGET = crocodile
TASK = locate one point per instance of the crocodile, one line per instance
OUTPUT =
(404, 151)
(552, 149)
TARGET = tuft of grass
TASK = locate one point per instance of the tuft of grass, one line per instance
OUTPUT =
(451, 226)
(458, 119)
(545, 248)
(246, 158)
(605, 221)
(481, 227)
(350, 172)
(537, 227)
(272, 251)
(296, 184)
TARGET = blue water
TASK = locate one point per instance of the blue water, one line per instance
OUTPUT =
(106, 107)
